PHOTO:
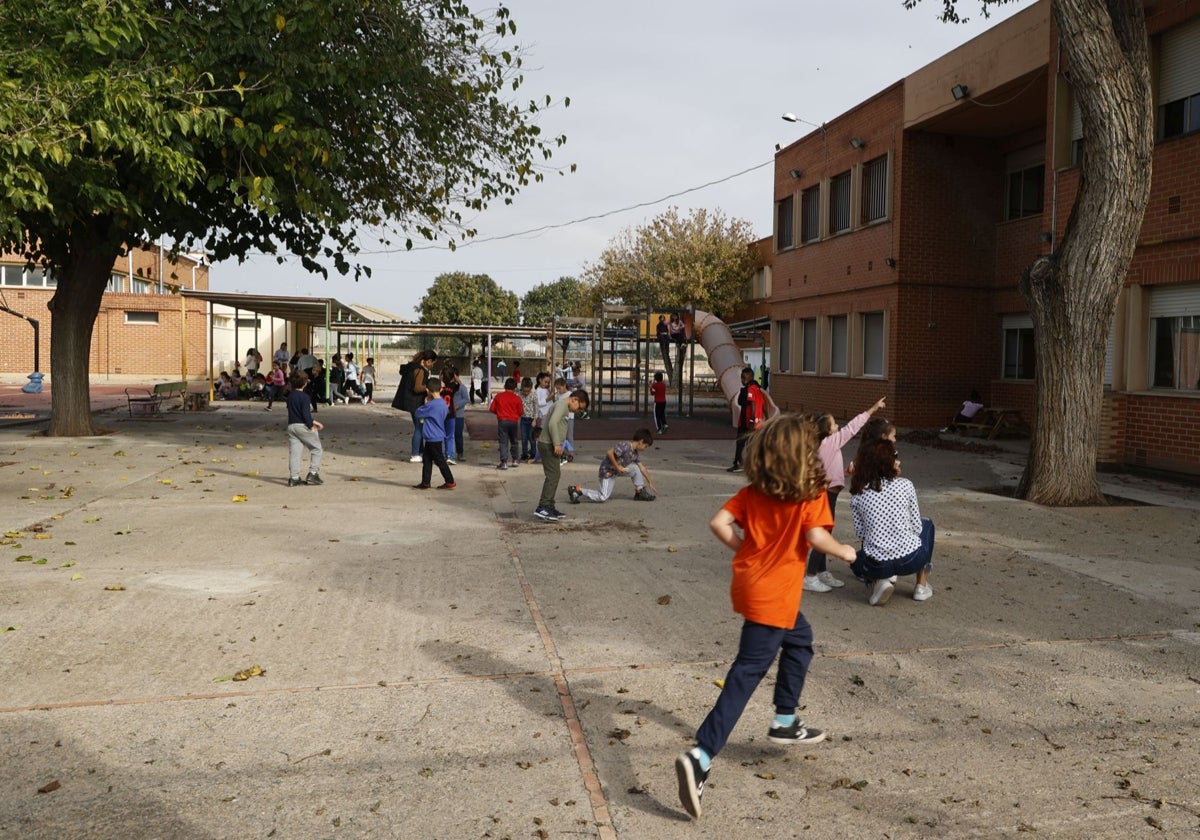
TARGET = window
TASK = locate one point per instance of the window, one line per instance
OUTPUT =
(808, 339)
(783, 346)
(839, 203)
(838, 345)
(116, 283)
(1179, 81)
(874, 189)
(810, 214)
(1019, 353)
(784, 223)
(248, 323)
(1025, 192)
(141, 317)
(12, 275)
(19, 275)
(139, 286)
(872, 349)
(1175, 337)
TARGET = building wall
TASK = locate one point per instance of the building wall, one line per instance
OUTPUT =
(119, 347)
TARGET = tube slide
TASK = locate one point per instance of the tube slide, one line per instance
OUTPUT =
(725, 359)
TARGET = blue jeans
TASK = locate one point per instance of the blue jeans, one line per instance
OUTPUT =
(450, 451)
(527, 447)
(868, 568)
(460, 423)
(756, 652)
(418, 439)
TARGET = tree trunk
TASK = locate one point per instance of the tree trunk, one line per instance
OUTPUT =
(1072, 293)
(82, 277)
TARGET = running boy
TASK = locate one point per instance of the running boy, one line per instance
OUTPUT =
(622, 459)
(782, 512)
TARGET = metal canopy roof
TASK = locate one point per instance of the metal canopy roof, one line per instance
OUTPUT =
(311, 311)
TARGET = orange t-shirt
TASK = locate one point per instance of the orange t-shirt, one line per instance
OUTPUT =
(768, 570)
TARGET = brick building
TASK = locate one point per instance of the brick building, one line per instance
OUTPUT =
(902, 228)
(140, 325)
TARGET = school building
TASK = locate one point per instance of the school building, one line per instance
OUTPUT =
(902, 228)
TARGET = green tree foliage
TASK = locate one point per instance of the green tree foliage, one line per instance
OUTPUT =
(703, 259)
(247, 126)
(461, 298)
(565, 297)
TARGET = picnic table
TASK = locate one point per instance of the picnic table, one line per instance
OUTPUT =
(993, 422)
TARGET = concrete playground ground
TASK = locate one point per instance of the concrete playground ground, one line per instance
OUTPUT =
(443, 665)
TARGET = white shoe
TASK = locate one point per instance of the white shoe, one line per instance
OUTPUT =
(880, 592)
(452, 462)
(813, 583)
(829, 580)
(923, 592)
(416, 459)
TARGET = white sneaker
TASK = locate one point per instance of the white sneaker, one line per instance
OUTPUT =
(923, 592)
(813, 583)
(880, 592)
(452, 462)
(829, 580)
(416, 459)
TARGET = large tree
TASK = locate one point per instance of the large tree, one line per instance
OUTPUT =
(468, 299)
(1072, 292)
(566, 297)
(245, 126)
(703, 259)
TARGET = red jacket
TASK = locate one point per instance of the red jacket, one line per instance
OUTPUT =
(752, 402)
(507, 405)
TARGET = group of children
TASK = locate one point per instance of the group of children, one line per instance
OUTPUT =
(794, 467)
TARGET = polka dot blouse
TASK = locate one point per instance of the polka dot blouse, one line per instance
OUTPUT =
(888, 521)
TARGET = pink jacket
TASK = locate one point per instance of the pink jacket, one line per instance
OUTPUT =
(830, 450)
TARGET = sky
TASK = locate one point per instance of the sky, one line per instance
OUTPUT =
(667, 96)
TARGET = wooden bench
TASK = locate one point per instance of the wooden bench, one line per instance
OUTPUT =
(147, 402)
(991, 423)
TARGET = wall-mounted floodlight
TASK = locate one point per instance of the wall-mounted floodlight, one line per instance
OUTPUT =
(960, 92)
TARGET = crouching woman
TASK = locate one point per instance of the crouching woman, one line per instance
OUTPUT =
(895, 539)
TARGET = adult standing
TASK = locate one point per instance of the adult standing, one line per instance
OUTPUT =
(410, 395)
(663, 332)
(752, 402)
(282, 355)
(476, 381)
(253, 362)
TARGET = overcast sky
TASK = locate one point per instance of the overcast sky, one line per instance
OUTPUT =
(666, 96)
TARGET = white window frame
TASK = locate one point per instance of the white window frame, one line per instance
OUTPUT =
(135, 317)
(1178, 309)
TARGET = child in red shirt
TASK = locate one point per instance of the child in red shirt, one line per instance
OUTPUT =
(753, 403)
(658, 389)
(780, 513)
(507, 407)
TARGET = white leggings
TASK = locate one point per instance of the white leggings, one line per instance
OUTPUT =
(607, 485)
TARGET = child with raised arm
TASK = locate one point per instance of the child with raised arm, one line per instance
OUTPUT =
(818, 578)
(780, 513)
(622, 459)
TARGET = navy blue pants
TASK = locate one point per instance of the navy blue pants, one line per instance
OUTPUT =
(756, 652)
(868, 568)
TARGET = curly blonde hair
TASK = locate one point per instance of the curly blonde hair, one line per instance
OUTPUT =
(781, 458)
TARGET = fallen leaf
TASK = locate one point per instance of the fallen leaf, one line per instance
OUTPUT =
(719, 683)
(664, 600)
(67, 564)
(767, 776)
(114, 587)
(240, 497)
(672, 549)
(252, 671)
(50, 787)
(238, 446)
(120, 453)
(77, 576)
(24, 558)
(165, 481)
(41, 536)
(41, 561)
(251, 474)
(9, 629)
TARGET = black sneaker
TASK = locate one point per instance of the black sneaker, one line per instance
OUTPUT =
(556, 515)
(294, 482)
(313, 478)
(573, 494)
(735, 468)
(544, 513)
(797, 733)
(691, 782)
(644, 496)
